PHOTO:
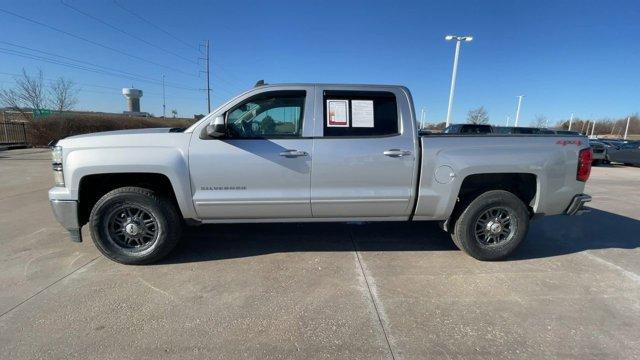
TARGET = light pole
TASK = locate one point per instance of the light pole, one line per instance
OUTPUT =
(508, 118)
(164, 105)
(626, 129)
(518, 109)
(458, 39)
(570, 121)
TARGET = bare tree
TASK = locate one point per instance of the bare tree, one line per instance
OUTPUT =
(478, 116)
(10, 98)
(31, 91)
(63, 94)
(540, 121)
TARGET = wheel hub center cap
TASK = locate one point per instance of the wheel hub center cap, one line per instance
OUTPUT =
(494, 227)
(132, 229)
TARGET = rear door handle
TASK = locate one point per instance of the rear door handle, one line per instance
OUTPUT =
(293, 153)
(397, 153)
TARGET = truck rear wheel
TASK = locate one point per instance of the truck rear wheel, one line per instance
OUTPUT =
(133, 225)
(492, 225)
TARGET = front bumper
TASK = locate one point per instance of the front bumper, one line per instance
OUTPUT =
(577, 205)
(66, 212)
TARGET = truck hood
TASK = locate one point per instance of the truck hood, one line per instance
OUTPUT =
(150, 137)
(121, 132)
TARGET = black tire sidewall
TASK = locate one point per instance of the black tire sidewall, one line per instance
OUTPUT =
(464, 228)
(157, 207)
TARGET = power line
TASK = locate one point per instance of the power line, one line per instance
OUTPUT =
(149, 22)
(132, 13)
(126, 32)
(115, 89)
(128, 74)
(79, 67)
(94, 42)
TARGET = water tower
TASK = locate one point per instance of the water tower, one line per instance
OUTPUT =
(133, 99)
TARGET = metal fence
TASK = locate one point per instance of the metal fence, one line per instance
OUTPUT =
(14, 134)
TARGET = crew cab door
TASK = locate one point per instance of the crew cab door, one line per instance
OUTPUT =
(262, 168)
(365, 153)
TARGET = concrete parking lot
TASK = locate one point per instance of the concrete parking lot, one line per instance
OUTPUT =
(369, 291)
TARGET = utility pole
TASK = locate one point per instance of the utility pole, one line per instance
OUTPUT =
(593, 128)
(208, 83)
(207, 71)
(508, 118)
(422, 116)
(458, 39)
(626, 130)
(570, 121)
(518, 109)
(164, 104)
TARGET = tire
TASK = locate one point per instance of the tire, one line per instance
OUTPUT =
(474, 216)
(133, 225)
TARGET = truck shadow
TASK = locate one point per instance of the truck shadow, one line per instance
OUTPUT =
(548, 237)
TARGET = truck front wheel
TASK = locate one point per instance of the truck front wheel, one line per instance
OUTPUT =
(133, 225)
(492, 225)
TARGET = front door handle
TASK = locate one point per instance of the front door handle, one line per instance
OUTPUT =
(293, 153)
(397, 153)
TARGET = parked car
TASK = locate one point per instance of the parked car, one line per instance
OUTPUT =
(522, 130)
(566, 132)
(616, 144)
(628, 153)
(599, 151)
(468, 129)
(312, 152)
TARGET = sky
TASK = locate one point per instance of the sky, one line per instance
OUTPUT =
(565, 57)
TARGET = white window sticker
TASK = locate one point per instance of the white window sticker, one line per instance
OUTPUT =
(362, 111)
(337, 113)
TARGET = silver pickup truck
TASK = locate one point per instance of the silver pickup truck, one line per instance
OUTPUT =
(312, 152)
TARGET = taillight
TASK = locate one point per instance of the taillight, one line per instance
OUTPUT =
(585, 157)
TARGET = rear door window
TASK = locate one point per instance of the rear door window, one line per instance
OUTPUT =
(360, 113)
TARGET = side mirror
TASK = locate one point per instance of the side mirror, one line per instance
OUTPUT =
(217, 128)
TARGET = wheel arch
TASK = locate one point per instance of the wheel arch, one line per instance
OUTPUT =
(92, 187)
(523, 185)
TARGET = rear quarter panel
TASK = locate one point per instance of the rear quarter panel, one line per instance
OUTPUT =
(552, 159)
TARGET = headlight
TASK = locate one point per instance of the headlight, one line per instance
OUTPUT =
(56, 163)
(56, 155)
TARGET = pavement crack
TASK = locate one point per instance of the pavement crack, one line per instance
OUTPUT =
(372, 296)
(47, 287)
(155, 288)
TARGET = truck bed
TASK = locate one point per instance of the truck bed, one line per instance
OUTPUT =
(448, 160)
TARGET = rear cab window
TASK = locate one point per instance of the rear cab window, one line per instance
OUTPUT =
(359, 113)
